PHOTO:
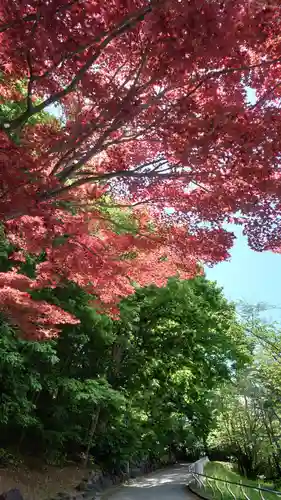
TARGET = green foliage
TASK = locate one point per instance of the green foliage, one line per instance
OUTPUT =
(248, 409)
(137, 389)
(122, 219)
(219, 489)
(11, 109)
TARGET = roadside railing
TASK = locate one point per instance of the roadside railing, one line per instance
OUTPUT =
(221, 489)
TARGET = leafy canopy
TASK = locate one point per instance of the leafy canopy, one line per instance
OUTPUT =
(152, 113)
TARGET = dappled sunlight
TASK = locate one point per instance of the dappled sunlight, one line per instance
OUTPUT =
(165, 485)
(177, 476)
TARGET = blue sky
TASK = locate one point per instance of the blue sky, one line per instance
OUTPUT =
(250, 276)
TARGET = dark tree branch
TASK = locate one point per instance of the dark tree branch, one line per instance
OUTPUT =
(29, 106)
(33, 17)
(124, 26)
(265, 96)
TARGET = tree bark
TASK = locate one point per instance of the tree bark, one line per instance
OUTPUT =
(94, 423)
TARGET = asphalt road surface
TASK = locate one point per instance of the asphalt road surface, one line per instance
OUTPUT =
(164, 485)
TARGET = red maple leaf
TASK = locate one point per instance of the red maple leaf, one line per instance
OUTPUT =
(154, 115)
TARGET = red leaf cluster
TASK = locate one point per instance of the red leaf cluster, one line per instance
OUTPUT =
(34, 319)
(154, 112)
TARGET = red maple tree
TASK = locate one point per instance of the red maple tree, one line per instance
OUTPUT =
(154, 115)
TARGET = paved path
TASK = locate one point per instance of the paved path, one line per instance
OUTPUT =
(164, 485)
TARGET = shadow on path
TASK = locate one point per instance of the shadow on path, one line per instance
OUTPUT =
(169, 484)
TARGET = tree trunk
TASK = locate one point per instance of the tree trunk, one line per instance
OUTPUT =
(94, 423)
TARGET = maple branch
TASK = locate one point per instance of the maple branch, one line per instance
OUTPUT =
(247, 67)
(131, 173)
(265, 95)
(124, 26)
(33, 17)
(61, 160)
(158, 162)
(78, 160)
(124, 205)
(29, 105)
(80, 49)
(110, 175)
(94, 150)
(30, 83)
(79, 243)
(98, 147)
(70, 169)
